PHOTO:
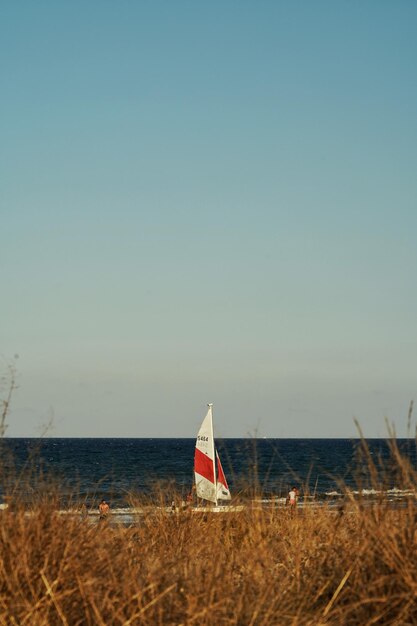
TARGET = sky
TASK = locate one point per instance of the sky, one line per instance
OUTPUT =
(208, 202)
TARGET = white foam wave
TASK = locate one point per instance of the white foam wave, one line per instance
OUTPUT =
(394, 491)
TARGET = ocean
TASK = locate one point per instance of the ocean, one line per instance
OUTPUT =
(91, 469)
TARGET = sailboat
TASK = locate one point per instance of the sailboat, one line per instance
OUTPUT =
(210, 481)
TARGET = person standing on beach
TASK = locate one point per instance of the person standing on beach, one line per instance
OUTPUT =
(104, 510)
(292, 498)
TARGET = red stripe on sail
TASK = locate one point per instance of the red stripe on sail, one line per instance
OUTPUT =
(221, 478)
(203, 465)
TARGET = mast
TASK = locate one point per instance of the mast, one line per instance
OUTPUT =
(214, 452)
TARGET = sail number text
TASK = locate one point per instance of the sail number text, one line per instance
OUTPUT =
(202, 438)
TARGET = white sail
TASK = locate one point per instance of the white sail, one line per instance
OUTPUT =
(210, 481)
(204, 460)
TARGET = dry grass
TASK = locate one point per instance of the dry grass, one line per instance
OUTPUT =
(356, 566)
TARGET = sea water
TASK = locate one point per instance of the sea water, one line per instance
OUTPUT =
(116, 469)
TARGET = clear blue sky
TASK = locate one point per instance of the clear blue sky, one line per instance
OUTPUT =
(209, 202)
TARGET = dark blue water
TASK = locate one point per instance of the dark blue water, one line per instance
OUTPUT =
(112, 468)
